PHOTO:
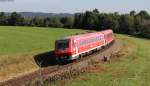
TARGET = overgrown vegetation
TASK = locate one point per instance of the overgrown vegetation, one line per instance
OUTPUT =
(133, 23)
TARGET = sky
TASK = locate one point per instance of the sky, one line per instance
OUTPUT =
(73, 6)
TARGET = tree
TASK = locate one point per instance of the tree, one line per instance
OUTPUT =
(126, 24)
(47, 22)
(132, 13)
(55, 22)
(3, 19)
(144, 14)
(89, 20)
(145, 29)
(78, 20)
(138, 20)
(37, 21)
(15, 19)
(27, 22)
(95, 10)
(67, 22)
(110, 21)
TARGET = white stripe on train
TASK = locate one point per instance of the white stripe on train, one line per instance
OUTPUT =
(75, 56)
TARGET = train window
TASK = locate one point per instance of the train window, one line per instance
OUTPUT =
(90, 40)
(62, 44)
(81, 42)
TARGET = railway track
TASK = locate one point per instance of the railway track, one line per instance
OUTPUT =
(59, 72)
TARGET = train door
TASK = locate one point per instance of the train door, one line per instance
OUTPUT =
(75, 48)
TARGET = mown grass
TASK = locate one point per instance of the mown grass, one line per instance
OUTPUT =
(30, 39)
(131, 69)
(18, 45)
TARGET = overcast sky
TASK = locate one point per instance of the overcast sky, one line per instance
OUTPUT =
(72, 6)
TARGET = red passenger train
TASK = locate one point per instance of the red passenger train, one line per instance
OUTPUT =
(74, 47)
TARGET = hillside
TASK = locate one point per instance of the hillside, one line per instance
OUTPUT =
(40, 14)
(19, 45)
(132, 69)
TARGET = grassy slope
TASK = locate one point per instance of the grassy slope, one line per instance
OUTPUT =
(130, 70)
(29, 39)
(18, 45)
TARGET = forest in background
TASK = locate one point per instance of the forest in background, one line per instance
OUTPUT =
(137, 24)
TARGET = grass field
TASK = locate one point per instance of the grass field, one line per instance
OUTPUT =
(133, 69)
(15, 40)
(18, 45)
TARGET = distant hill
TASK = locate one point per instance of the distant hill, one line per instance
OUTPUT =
(40, 14)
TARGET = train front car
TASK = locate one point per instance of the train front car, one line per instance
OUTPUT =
(63, 49)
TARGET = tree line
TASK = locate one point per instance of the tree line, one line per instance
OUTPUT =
(132, 23)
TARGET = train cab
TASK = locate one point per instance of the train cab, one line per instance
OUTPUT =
(65, 48)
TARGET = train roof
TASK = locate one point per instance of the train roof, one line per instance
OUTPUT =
(85, 35)
(106, 31)
(63, 38)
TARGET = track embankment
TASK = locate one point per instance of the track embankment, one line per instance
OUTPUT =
(59, 72)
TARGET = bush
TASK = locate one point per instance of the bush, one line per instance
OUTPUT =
(145, 29)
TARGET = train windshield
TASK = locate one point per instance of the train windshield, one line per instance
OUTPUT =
(62, 44)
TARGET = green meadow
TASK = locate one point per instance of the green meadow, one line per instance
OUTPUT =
(19, 45)
(132, 69)
(18, 40)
